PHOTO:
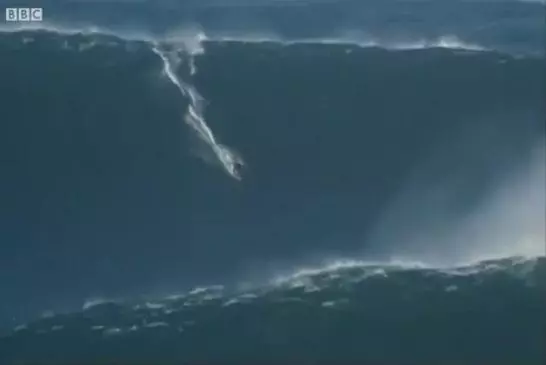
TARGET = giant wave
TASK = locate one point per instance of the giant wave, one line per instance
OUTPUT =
(293, 99)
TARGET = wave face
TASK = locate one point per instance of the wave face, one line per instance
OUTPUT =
(485, 313)
(431, 152)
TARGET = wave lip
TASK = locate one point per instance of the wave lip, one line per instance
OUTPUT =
(193, 39)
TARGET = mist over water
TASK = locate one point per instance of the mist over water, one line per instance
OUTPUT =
(479, 195)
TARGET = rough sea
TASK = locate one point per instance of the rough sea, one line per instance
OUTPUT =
(274, 182)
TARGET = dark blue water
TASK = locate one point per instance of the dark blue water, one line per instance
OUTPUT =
(487, 313)
(411, 138)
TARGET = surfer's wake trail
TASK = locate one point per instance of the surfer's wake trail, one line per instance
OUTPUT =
(195, 116)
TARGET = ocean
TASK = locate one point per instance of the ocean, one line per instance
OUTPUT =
(350, 313)
(245, 191)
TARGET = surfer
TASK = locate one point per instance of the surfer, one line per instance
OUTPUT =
(237, 169)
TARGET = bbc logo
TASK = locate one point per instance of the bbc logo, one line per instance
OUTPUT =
(24, 14)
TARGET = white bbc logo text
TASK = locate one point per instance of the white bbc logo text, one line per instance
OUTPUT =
(24, 14)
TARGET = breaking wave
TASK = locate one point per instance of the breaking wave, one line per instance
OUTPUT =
(452, 130)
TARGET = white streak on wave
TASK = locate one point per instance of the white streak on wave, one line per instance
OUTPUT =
(195, 114)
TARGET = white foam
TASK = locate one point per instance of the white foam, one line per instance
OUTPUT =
(205, 289)
(247, 296)
(112, 331)
(21, 327)
(193, 38)
(447, 41)
(176, 297)
(451, 288)
(156, 324)
(231, 302)
(240, 299)
(90, 303)
(300, 277)
(151, 305)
